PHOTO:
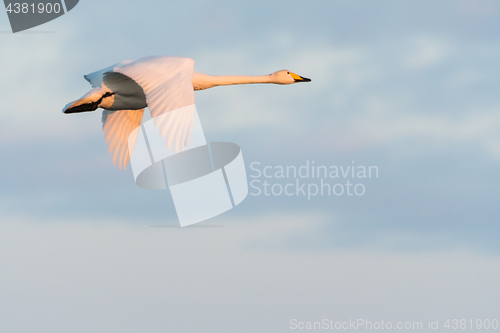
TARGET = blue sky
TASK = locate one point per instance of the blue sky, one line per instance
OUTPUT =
(411, 87)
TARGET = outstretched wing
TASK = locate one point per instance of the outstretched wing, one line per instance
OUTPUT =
(95, 78)
(167, 84)
(117, 126)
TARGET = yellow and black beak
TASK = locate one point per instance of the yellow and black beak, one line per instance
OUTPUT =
(299, 78)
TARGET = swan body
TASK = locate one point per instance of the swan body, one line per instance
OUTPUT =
(162, 84)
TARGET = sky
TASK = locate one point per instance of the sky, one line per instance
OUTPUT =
(407, 86)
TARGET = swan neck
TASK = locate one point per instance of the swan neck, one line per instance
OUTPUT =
(203, 81)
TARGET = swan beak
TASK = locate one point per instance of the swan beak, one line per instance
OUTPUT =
(299, 78)
(303, 79)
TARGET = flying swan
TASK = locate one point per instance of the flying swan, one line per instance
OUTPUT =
(162, 84)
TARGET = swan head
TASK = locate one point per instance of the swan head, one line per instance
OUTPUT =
(287, 77)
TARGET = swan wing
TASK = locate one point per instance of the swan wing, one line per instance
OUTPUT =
(117, 126)
(95, 78)
(167, 85)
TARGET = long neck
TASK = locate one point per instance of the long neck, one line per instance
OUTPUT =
(203, 81)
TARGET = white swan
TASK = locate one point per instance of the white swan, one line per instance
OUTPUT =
(162, 84)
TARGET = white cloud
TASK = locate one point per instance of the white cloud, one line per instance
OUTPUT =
(82, 276)
(35, 72)
(443, 131)
(425, 52)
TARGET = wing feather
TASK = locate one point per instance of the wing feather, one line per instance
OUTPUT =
(117, 127)
(95, 78)
(167, 85)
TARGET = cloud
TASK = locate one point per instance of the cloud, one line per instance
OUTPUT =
(406, 98)
(426, 52)
(114, 276)
(414, 93)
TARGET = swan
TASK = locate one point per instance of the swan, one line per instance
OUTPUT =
(162, 84)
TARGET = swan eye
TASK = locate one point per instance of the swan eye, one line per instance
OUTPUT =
(288, 72)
